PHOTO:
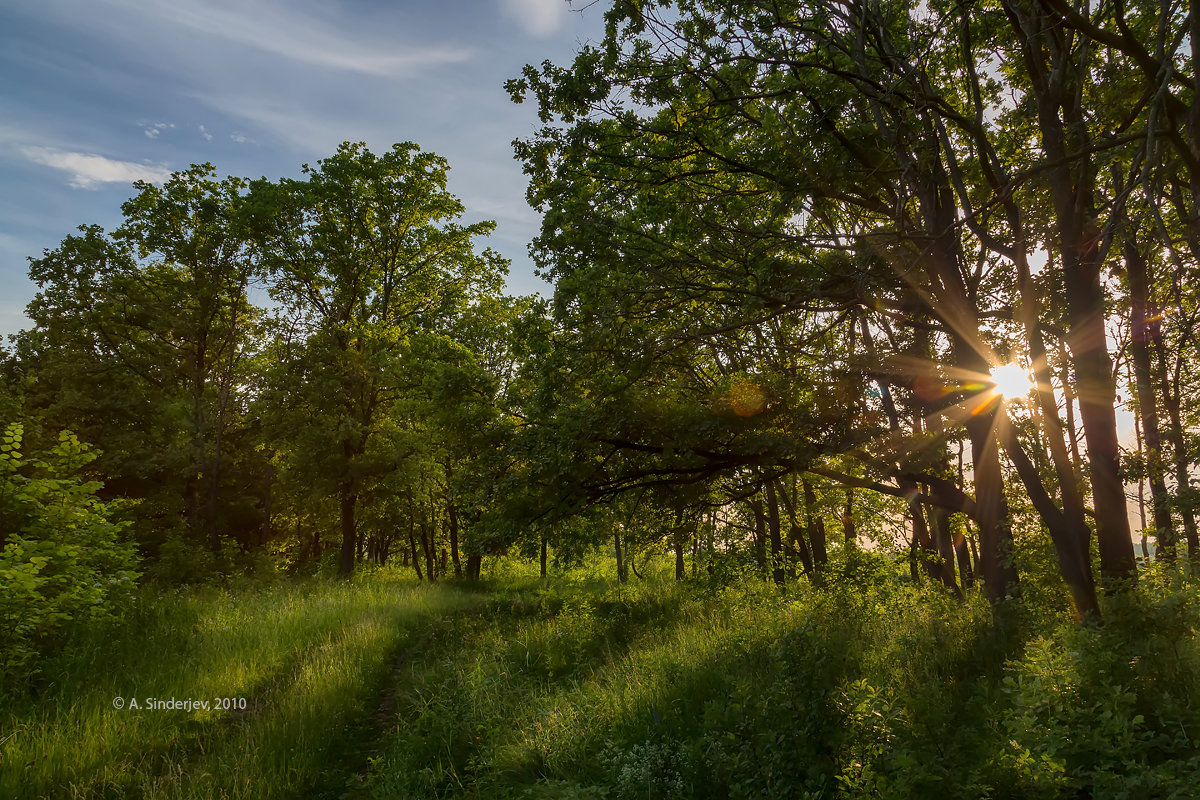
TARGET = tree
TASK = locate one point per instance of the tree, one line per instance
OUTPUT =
(366, 259)
(140, 342)
(846, 165)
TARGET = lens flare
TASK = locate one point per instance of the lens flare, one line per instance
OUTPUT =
(1011, 381)
(746, 399)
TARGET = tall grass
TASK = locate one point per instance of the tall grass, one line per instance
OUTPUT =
(578, 687)
(307, 658)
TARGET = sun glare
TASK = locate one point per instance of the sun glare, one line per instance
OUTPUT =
(1012, 381)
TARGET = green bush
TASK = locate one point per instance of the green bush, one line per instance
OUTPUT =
(62, 564)
(1110, 710)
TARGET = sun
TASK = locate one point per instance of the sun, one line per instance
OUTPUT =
(1011, 381)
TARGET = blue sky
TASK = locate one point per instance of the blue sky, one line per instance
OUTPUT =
(99, 93)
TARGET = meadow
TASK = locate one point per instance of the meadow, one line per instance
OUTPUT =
(578, 686)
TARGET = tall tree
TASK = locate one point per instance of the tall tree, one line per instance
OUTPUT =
(140, 342)
(366, 257)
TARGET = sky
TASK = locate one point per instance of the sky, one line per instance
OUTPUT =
(100, 93)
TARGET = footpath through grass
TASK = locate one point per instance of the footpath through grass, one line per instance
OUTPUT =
(309, 658)
(582, 688)
(868, 688)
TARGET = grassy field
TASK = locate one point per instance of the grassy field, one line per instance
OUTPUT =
(582, 688)
(308, 658)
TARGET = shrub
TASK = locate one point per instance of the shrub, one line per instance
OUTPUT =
(62, 562)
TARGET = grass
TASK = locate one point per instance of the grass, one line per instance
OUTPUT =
(307, 657)
(582, 688)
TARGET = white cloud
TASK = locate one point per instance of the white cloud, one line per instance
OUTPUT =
(207, 136)
(239, 138)
(152, 131)
(87, 169)
(538, 17)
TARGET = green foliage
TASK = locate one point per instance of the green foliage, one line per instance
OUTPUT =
(63, 565)
(1110, 709)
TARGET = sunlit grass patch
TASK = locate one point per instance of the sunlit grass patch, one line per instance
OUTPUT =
(305, 657)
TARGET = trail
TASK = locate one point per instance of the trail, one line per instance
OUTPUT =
(350, 760)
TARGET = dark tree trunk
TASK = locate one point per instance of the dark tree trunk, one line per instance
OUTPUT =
(849, 532)
(1071, 179)
(452, 520)
(939, 528)
(1145, 329)
(622, 575)
(1097, 407)
(680, 534)
(543, 558)
(760, 536)
(349, 530)
(412, 547)
(427, 550)
(776, 538)
(1075, 569)
(1179, 449)
(816, 528)
(264, 533)
(999, 574)
(963, 553)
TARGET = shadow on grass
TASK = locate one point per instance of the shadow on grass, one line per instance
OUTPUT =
(665, 697)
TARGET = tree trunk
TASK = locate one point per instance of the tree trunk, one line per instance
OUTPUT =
(1144, 328)
(349, 530)
(1075, 569)
(264, 533)
(1175, 434)
(963, 553)
(622, 575)
(760, 536)
(412, 546)
(452, 520)
(995, 538)
(427, 550)
(1071, 179)
(816, 528)
(776, 539)
(849, 532)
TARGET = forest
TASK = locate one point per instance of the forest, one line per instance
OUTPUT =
(852, 451)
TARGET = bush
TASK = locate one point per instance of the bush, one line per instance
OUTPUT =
(62, 564)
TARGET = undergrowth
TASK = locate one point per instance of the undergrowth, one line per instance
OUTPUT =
(579, 687)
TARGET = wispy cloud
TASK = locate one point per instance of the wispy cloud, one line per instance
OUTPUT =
(306, 128)
(87, 169)
(539, 18)
(284, 29)
(208, 137)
